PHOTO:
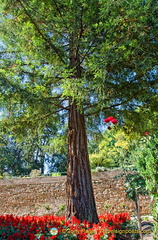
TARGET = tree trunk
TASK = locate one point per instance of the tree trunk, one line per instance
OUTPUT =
(80, 196)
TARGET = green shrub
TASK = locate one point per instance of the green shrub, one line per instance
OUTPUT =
(35, 173)
(56, 174)
(6, 175)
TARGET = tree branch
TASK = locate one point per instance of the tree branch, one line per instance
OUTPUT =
(61, 15)
(119, 104)
(47, 40)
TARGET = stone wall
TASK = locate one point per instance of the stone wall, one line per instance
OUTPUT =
(46, 195)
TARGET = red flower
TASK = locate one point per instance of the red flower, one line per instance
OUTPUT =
(53, 237)
(146, 133)
(108, 119)
(97, 236)
(82, 236)
(27, 227)
(114, 121)
(32, 236)
(42, 237)
(111, 238)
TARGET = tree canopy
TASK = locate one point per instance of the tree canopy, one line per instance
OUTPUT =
(115, 42)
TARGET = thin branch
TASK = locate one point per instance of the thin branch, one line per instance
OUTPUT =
(87, 52)
(40, 32)
(41, 75)
(81, 33)
(7, 52)
(61, 15)
(119, 104)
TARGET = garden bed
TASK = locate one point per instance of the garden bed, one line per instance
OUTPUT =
(119, 226)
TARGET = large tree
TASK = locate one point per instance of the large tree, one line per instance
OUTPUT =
(85, 57)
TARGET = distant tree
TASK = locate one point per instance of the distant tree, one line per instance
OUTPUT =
(81, 57)
(56, 151)
(10, 157)
(21, 155)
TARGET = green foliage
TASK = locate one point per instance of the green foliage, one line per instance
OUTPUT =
(111, 150)
(61, 210)
(116, 66)
(56, 174)
(145, 154)
(34, 173)
(134, 184)
(58, 162)
(135, 122)
(36, 77)
(11, 157)
(6, 175)
(18, 158)
(47, 207)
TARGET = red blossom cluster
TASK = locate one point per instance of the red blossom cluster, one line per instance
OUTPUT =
(110, 120)
(33, 227)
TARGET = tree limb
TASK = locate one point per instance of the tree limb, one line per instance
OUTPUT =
(47, 40)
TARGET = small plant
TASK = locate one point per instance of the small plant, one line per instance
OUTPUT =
(122, 205)
(56, 174)
(35, 173)
(61, 209)
(47, 207)
(107, 206)
(36, 207)
(134, 186)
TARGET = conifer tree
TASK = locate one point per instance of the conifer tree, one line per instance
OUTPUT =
(82, 57)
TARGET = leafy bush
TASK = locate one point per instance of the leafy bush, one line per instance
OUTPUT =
(6, 175)
(35, 173)
(56, 174)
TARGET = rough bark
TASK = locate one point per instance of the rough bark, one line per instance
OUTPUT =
(80, 196)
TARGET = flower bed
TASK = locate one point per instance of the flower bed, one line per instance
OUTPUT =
(55, 227)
